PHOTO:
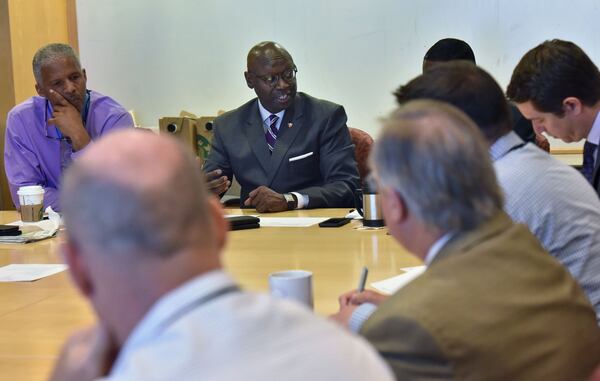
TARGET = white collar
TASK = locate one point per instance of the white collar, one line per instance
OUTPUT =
(169, 304)
(594, 135)
(436, 247)
(265, 114)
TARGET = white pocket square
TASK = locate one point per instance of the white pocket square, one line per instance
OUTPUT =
(300, 157)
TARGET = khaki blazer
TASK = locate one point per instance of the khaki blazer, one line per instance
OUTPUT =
(493, 305)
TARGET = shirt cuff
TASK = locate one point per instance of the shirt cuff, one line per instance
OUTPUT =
(302, 200)
(360, 315)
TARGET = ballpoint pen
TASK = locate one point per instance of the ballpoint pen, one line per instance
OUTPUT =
(363, 279)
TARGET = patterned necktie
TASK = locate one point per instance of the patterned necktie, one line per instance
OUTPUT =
(271, 133)
(587, 170)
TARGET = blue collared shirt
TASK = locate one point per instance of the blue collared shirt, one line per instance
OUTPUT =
(557, 204)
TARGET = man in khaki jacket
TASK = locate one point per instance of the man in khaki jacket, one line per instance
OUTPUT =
(492, 304)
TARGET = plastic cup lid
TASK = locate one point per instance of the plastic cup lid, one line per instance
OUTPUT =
(30, 190)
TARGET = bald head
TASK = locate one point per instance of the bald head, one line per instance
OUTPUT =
(134, 158)
(136, 192)
(272, 74)
(265, 52)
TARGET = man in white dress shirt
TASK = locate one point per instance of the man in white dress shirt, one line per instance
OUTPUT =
(150, 266)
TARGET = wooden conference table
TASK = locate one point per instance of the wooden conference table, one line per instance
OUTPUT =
(37, 317)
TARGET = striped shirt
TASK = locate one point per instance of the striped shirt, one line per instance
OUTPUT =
(557, 204)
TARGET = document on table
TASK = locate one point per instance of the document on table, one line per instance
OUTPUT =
(29, 272)
(391, 285)
(354, 215)
(290, 222)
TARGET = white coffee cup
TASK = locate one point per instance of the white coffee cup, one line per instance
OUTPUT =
(31, 199)
(292, 284)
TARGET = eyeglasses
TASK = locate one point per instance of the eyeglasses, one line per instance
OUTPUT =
(288, 75)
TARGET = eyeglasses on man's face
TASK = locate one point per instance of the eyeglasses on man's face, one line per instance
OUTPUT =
(288, 76)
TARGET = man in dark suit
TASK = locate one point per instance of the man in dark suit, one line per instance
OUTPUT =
(491, 303)
(557, 86)
(286, 150)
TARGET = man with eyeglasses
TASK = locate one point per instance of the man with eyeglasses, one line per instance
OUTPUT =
(287, 150)
(46, 132)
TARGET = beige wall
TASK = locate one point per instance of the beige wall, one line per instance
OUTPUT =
(25, 25)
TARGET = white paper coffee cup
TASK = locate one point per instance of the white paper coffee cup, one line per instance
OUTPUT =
(31, 199)
(292, 284)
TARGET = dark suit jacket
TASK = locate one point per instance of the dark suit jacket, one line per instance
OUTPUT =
(493, 305)
(313, 131)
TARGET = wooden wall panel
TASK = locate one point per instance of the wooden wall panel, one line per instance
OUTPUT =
(33, 23)
(7, 95)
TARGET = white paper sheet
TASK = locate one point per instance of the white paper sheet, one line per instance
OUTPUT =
(28, 272)
(391, 285)
(290, 222)
(354, 215)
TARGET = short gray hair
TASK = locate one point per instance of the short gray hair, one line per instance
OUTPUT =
(103, 214)
(50, 53)
(433, 155)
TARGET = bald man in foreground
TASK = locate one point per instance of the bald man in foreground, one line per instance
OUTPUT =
(287, 150)
(143, 245)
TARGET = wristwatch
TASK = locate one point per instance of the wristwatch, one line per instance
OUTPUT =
(292, 201)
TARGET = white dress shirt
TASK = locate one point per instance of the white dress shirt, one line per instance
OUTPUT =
(265, 115)
(238, 335)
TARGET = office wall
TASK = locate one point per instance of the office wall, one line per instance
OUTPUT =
(159, 57)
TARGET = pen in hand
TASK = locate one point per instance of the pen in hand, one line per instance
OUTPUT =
(363, 279)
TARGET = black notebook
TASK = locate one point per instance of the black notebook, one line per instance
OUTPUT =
(243, 222)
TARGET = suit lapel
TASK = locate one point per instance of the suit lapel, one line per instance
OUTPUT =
(255, 134)
(288, 130)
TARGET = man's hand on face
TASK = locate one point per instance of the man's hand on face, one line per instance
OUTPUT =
(87, 355)
(68, 120)
(266, 200)
(217, 183)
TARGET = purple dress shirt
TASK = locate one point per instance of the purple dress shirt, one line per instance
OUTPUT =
(33, 152)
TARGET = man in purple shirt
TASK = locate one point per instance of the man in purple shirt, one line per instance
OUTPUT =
(45, 133)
